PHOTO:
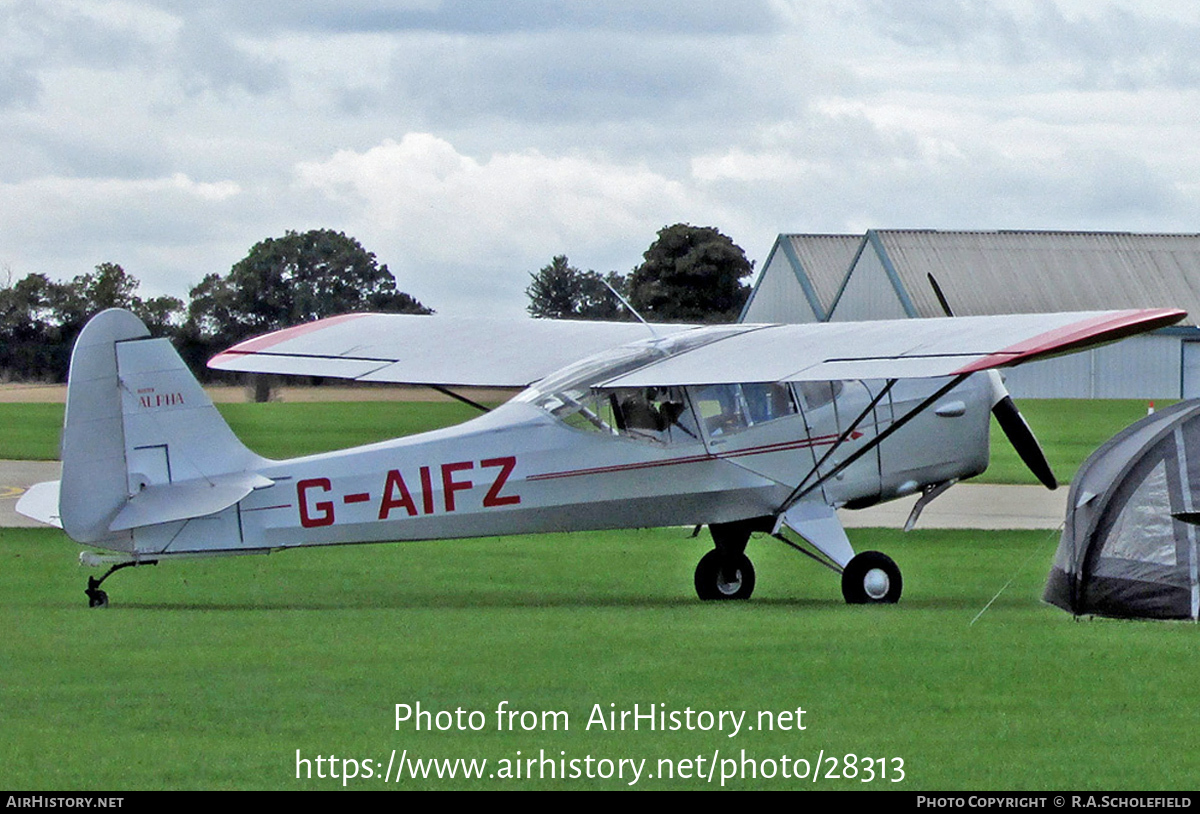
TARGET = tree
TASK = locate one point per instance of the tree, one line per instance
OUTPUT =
(40, 318)
(293, 279)
(31, 346)
(561, 291)
(691, 274)
(284, 282)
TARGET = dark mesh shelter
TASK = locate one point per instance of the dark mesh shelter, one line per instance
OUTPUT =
(1129, 544)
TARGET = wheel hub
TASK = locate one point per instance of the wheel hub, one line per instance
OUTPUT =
(731, 586)
(876, 583)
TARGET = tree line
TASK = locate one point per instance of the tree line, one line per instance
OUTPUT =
(282, 282)
(689, 274)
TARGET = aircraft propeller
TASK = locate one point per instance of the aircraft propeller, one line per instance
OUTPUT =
(1017, 430)
(1014, 425)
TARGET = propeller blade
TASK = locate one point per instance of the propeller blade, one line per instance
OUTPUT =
(1016, 429)
(1023, 440)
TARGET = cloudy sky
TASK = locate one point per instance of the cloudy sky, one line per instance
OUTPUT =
(466, 142)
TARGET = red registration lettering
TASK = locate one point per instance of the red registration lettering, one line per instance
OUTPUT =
(324, 508)
(395, 483)
(426, 490)
(450, 486)
(506, 465)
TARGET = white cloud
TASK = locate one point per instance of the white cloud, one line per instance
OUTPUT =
(510, 212)
(513, 203)
(100, 198)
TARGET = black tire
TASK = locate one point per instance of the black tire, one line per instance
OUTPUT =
(97, 599)
(733, 581)
(872, 578)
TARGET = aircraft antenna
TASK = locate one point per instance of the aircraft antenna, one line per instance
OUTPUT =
(632, 310)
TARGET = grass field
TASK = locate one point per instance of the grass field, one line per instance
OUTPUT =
(212, 674)
(1069, 430)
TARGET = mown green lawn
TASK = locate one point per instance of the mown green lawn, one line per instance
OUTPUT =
(275, 429)
(222, 673)
(211, 674)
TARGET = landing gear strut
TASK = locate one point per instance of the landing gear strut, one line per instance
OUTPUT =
(98, 598)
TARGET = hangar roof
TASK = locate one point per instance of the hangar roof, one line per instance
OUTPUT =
(826, 259)
(1026, 272)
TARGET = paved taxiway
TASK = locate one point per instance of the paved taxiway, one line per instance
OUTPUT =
(967, 505)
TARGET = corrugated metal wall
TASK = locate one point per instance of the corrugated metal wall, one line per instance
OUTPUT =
(1141, 367)
(869, 293)
(1030, 272)
(818, 261)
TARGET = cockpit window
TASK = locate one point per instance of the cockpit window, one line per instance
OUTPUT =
(768, 401)
(729, 408)
(577, 396)
(657, 413)
(649, 413)
(818, 394)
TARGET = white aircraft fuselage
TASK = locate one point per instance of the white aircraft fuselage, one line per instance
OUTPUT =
(520, 470)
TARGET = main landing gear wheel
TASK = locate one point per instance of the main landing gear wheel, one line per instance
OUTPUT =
(724, 576)
(871, 578)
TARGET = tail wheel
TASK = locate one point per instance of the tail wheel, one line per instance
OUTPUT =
(724, 576)
(871, 578)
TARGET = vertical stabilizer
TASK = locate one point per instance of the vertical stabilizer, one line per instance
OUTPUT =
(142, 442)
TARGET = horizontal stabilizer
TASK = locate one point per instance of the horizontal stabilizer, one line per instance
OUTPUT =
(40, 503)
(181, 500)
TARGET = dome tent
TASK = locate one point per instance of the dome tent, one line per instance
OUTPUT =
(1128, 548)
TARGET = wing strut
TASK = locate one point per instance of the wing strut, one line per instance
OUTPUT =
(463, 399)
(800, 491)
(797, 493)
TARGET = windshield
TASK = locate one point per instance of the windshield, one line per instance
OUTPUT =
(576, 394)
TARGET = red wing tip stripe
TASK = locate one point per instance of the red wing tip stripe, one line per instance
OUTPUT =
(261, 343)
(1078, 335)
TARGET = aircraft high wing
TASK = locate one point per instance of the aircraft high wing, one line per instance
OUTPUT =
(417, 349)
(413, 349)
(743, 428)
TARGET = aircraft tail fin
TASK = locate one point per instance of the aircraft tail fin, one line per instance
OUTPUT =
(142, 442)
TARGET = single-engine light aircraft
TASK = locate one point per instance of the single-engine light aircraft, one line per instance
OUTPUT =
(742, 428)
